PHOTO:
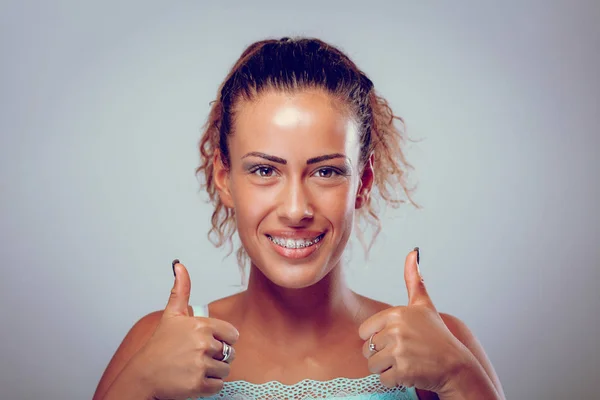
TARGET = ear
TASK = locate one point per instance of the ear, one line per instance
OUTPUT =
(221, 177)
(366, 184)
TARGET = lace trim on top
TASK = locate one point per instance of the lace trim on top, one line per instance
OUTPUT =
(369, 387)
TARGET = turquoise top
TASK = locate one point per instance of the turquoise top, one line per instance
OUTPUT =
(349, 389)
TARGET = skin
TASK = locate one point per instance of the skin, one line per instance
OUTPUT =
(317, 327)
(307, 302)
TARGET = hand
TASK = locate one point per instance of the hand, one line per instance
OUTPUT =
(413, 346)
(182, 358)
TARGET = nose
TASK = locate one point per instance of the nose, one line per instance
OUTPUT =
(295, 203)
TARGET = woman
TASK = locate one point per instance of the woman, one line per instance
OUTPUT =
(294, 146)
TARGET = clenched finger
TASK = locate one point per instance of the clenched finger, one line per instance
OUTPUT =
(214, 348)
(380, 361)
(378, 340)
(221, 354)
(223, 331)
(216, 369)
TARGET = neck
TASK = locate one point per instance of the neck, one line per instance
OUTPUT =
(307, 314)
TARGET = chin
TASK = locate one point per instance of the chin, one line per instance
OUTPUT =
(293, 276)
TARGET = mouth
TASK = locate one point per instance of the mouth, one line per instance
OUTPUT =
(296, 248)
(288, 243)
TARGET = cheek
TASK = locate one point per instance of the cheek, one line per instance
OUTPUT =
(339, 203)
(250, 205)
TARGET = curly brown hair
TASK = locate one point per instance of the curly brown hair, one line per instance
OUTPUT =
(306, 63)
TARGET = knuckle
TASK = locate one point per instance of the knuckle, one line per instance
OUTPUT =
(200, 325)
(397, 353)
(203, 344)
(401, 367)
(401, 333)
(213, 346)
(200, 365)
(396, 313)
(395, 330)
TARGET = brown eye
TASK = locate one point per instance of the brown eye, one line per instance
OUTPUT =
(264, 172)
(326, 173)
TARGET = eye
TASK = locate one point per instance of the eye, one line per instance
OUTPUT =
(326, 173)
(263, 171)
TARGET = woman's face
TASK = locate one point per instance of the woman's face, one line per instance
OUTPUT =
(293, 181)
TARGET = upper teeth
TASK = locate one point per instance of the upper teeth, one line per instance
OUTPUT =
(294, 243)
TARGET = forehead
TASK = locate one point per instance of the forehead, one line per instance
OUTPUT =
(304, 124)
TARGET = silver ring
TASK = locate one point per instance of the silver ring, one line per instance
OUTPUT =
(371, 344)
(226, 352)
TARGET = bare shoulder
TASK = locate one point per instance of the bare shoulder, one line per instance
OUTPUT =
(370, 307)
(462, 332)
(225, 308)
(135, 339)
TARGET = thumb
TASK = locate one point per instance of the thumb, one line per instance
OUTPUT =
(415, 286)
(180, 294)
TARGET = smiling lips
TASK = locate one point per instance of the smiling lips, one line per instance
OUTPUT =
(295, 244)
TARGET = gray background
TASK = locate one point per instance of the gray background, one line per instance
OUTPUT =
(101, 112)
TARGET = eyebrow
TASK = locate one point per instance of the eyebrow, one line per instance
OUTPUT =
(266, 157)
(315, 160)
(280, 160)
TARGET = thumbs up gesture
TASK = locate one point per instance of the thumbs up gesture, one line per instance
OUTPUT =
(411, 345)
(184, 356)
